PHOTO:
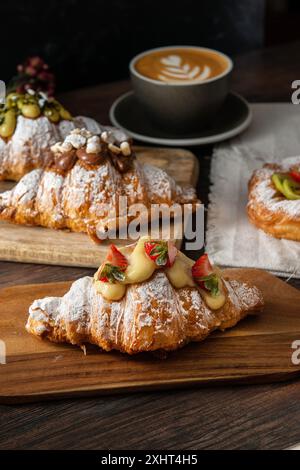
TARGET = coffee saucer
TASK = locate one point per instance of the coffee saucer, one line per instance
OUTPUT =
(233, 118)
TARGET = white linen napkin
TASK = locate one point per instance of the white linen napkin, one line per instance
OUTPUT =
(231, 240)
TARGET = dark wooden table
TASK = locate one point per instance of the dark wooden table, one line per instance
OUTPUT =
(240, 417)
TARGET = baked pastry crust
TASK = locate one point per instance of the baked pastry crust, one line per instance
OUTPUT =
(29, 146)
(152, 315)
(269, 211)
(85, 197)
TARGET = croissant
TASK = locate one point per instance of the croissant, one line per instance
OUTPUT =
(29, 125)
(274, 199)
(81, 187)
(164, 309)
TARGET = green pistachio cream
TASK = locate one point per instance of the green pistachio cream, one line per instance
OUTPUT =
(31, 105)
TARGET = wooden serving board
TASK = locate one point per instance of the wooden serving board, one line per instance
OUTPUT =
(59, 247)
(258, 349)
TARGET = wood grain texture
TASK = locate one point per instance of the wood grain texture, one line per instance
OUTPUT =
(239, 417)
(257, 350)
(61, 247)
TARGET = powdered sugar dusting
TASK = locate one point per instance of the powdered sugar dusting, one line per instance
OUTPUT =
(164, 188)
(152, 315)
(264, 192)
(242, 295)
(86, 197)
(160, 184)
(25, 191)
(31, 142)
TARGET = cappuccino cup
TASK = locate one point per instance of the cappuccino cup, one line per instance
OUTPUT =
(181, 88)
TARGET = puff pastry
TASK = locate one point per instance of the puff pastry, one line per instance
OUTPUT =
(152, 315)
(81, 187)
(268, 209)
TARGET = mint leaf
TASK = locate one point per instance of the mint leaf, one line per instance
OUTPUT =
(207, 278)
(113, 273)
(212, 285)
(156, 250)
(118, 274)
(162, 259)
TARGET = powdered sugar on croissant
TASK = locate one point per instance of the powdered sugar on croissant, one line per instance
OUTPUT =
(267, 208)
(80, 190)
(152, 316)
(29, 147)
(144, 297)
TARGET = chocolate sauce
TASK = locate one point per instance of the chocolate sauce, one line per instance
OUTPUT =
(90, 158)
(120, 162)
(65, 161)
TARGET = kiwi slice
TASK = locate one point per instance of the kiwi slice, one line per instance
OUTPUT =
(278, 179)
(291, 189)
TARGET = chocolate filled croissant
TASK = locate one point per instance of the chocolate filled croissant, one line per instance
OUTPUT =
(82, 186)
(158, 306)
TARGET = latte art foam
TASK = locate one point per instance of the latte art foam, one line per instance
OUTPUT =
(173, 65)
(176, 69)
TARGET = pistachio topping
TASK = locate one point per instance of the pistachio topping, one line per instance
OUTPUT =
(31, 105)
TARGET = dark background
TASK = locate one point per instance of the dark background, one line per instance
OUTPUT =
(87, 42)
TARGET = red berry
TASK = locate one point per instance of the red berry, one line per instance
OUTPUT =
(43, 75)
(172, 253)
(116, 258)
(31, 71)
(295, 175)
(103, 273)
(205, 276)
(35, 62)
(161, 252)
(202, 267)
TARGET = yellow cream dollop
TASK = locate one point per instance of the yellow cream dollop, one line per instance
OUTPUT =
(180, 273)
(214, 302)
(141, 267)
(110, 291)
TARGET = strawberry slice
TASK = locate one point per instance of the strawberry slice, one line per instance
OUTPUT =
(116, 258)
(295, 175)
(172, 253)
(202, 267)
(113, 268)
(204, 275)
(161, 252)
